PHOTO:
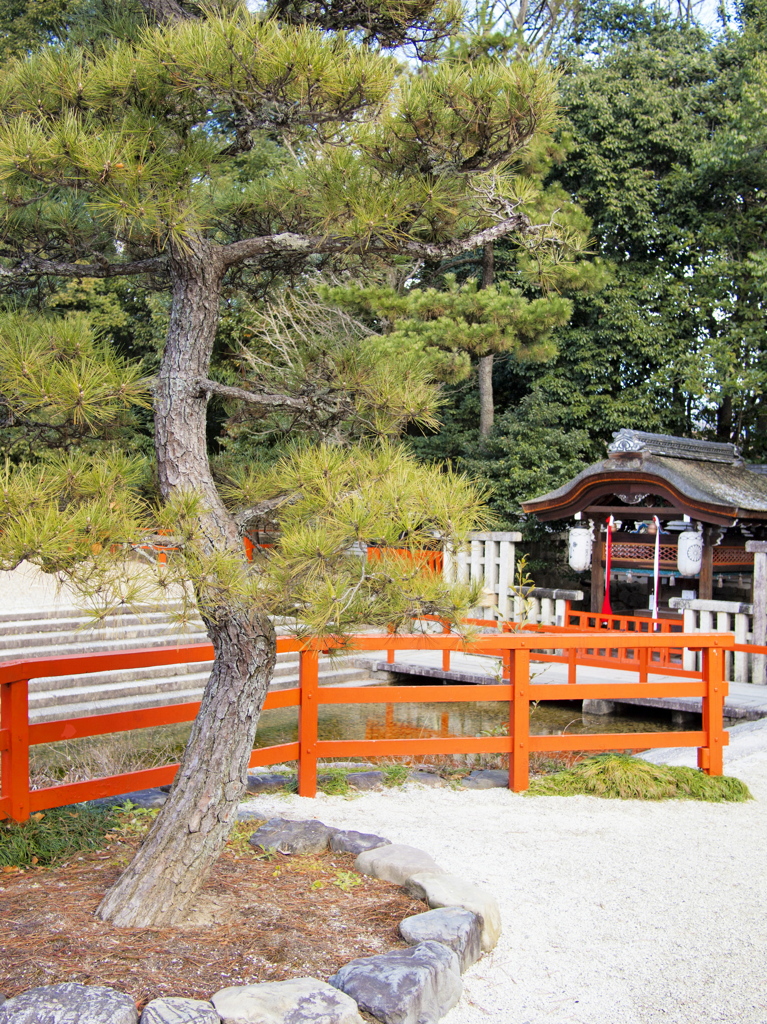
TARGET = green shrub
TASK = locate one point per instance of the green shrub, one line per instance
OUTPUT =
(622, 777)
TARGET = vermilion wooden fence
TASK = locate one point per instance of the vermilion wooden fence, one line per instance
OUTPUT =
(662, 659)
(17, 801)
(433, 560)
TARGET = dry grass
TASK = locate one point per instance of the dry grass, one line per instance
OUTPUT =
(57, 764)
(258, 918)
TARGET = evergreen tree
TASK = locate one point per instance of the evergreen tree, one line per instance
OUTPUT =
(203, 148)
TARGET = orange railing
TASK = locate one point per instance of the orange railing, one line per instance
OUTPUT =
(433, 560)
(666, 659)
(17, 801)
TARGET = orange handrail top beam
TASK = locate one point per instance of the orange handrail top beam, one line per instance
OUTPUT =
(76, 664)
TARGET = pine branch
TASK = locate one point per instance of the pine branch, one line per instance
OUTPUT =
(262, 399)
(166, 10)
(284, 244)
(289, 242)
(62, 268)
(264, 511)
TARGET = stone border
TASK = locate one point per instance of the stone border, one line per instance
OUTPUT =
(417, 984)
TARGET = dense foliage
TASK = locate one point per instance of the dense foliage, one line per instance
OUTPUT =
(662, 145)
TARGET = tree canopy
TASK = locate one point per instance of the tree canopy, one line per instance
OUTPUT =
(210, 153)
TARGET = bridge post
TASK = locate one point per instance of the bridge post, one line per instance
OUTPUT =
(308, 675)
(14, 721)
(519, 721)
(711, 757)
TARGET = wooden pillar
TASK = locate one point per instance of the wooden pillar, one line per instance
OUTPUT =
(597, 569)
(706, 578)
(759, 602)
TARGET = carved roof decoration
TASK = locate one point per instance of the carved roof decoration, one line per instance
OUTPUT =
(629, 441)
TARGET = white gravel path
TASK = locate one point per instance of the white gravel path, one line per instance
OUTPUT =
(614, 912)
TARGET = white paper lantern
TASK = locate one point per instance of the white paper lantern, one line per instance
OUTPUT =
(581, 544)
(689, 553)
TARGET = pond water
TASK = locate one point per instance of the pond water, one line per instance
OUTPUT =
(478, 718)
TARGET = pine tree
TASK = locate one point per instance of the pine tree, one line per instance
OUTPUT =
(198, 150)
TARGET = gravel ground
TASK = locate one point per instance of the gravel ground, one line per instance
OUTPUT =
(614, 912)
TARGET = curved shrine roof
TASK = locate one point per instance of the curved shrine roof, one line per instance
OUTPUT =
(714, 491)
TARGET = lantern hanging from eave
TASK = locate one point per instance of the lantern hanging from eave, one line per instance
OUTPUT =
(689, 553)
(581, 545)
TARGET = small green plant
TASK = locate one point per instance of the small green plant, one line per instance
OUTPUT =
(395, 774)
(346, 880)
(55, 835)
(622, 777)
(239, 839)
(334, 782)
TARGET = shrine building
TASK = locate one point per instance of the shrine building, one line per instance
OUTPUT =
(671, 514)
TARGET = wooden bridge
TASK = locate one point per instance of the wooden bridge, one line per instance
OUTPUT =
(514, 686)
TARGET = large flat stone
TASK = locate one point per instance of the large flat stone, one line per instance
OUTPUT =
(301, 1001)
(455, 927)
(302, 837)
(151, 798)
(406, 986)
(442, 890)
(365, 780)
(426, 778)
(69, 1003)
(486, 778)
(396, 863)
(349, 841)
(268, 782)
(177, 1010)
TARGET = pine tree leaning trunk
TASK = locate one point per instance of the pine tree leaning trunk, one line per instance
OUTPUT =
(159, 886)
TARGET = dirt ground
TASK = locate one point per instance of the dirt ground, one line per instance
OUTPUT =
(263, 917)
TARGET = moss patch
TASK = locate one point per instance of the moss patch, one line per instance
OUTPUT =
(621, 777)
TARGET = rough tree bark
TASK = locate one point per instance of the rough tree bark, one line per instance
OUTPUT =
(160, 884)
(485, 369)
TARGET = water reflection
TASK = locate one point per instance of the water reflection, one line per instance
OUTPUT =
(478, 718)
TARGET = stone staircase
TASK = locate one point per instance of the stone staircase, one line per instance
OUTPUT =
(46, 633)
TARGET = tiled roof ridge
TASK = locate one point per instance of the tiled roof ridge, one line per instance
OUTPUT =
(627, 441)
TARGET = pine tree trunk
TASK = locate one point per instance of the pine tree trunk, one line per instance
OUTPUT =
(486, 404)
(486, 401)
(159, 886)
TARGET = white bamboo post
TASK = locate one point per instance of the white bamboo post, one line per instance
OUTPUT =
(723, 626)
(740, 658)
(506, 551)
(689, 658)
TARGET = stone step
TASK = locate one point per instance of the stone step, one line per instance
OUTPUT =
(97, 679)
(140, 635)
(71, 689)
(53, 632)
(109, 691)
(65, 612)
(101, 646)
(83, 702)
(84, 624)
(108, 707)
(286, 667)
